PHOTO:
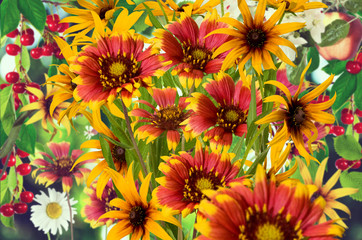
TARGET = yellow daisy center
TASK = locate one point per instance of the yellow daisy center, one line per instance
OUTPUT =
(117, 69)
(204, 183)
(230, 117)
(169, 117)
(269, 232)
(54, 210)
(198, 54)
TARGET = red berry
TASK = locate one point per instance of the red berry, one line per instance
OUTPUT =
(62, 27)
(32, 98)
(358, 112)
(19, 87)
(4, 85)
(359, 58)
(346, 111)
(12, 49)
(48, 50)
(27, 39)
(36, 53)
(23, 169)
(353, 67)
(26, 197)
(322, 98)
(17, 102)
(21, 153)
(28, 31)
(20, 208)
(342, 164)
(12, 77)
(337, 130)
(33, 85)
(53, 18)
(4, 175)
(355, 164)
(7, 210)
(358, 128)
(53, 26)
(11, 162)
(58, 54)
(13, 34)
(347, 118)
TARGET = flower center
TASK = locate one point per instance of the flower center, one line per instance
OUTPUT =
(269, 232)
(199, 180)
(108, 194)
(181, 8)
(229, 117)
(256, 38)
(103, 11)
(137, 215)
(63, 165)
(116, 71)
(119, 157)
(196, 56)
(169, 118)
(53, 210)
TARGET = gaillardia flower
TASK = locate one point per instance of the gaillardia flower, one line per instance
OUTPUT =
(186, 177)
(60, 167)
(136, 216)
(296, 5)
(299, 115)
(256, 39)
(189, 51)
(269, 212)
(228, 117)
(166, 118)
(95, 207)
(317, 189)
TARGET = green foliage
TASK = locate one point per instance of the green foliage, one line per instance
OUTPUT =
(344, 87)
(34, 11)
(314, 55)
(7, 111)
(352, 180)
(335, 67)
(334, 32)
(353, 5)
(294, 73)
(358, 92)
(6, 221)
(24, 60)
(9, 16)
(347, 147)
(152, 18)
(27, 138)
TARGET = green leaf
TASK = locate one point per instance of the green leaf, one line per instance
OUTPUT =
(25, 58)
(34, 11)
(335, 67)
(6, 221)
(152, 18)
(358, 92)
(106, 150)
(314, 55)
(9, 16)
(347, 147)
(5, 96)
(294, 73)
(352, 180)
(3, 40)
(353, 6)
(7, 111)
(27, 138)
(344, 87)
(334, 32)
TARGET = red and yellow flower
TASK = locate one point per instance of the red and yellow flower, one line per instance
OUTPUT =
(190, 53)
(270, 211)
(60, 167)
(227, 117)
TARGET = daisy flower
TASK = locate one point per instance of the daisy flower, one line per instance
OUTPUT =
(166, 118)
(173, 9)
(190, 53)
(89, 132)
(60, 167)
(136, 216)
(256, 39)
(52, 215)
(299, 115)
(186, 177)
(95, 206)
(229, 115)
(296, 5)
(270, 211)
(318, 189)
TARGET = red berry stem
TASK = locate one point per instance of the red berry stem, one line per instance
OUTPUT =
(5, 165)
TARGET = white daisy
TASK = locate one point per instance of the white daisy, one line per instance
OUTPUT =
(53, 212)
(89, 132)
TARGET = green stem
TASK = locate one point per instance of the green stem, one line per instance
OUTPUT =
(179, 230)
(222, 7)
(70, 217)
(48, 236)
(163, 11)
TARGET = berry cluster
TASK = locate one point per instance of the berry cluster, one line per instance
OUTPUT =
(354, 67)
(21, 207)
(343, 164)
(347, 117)
(22, 169)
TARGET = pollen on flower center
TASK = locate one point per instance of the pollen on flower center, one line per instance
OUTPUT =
(297, 116)
(269, 232)
(137, 215)
(169, 117)
(256, 38)
(63, 165)
(204, 183)
(195, 56)
(229, 117)
(117, 69)
(53, 210)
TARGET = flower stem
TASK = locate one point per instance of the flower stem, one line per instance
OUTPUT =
(70, 217)
(48, 236)
(130, 132)
(179, 230)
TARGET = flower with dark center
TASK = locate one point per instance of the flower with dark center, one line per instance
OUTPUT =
(299, 115)
(186, 178)
(268, 212)
(228, 117)
(255, 39)
(135, 215)
(95, 207)
(189, 51)
(166, 118)
(60, 167)
(296, 5)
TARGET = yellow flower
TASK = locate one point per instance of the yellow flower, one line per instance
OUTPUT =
(256, 39)
(299, 115)
(296, 5)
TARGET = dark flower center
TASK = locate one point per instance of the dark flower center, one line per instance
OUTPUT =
(199, 180)
(287, 4)
(169, 118)
(256, 38)
(114, 72)
(297, 116)
(196, 56)
(315, 195)
(108, 194)
(181, 8)
(48, 102)
(137, 215)
(73, 86)
(229, 117)
(119, 157)
(261, 226)
(103, 11)
(62, 167)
